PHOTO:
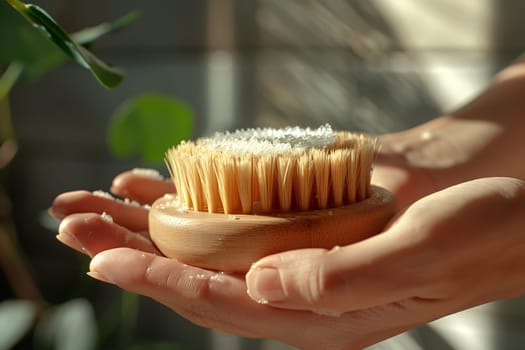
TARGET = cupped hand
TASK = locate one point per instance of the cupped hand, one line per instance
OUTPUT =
(449, 251)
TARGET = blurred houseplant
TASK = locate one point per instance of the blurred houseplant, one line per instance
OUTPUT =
(144, 126)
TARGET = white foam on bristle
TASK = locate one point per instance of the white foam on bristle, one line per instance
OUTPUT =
(147, 173)
(272, 141)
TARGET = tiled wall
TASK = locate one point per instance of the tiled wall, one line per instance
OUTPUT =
(378, 66)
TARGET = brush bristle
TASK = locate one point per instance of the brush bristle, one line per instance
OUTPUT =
(272, 170)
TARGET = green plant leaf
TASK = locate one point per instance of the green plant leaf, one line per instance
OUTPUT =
(71, 325)
(107, 75)
(87, 36)
(147, 126)
(16, 319)
(24, 44)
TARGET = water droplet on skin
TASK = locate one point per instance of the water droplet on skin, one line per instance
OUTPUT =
(201, 276)
(329, 313)
(334, 249)
(426, 135)
(217, 280)
(219, 277)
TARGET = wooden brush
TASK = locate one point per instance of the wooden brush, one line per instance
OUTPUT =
(250, 193)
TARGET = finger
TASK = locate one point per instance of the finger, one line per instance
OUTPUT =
(141, 185)
(377, 271)
(219, 301)
(125, 213)
(205, 297)
(92, 233)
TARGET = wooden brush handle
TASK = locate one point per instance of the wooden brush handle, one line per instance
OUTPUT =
(233, 242)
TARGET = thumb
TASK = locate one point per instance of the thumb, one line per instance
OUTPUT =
(377, 271)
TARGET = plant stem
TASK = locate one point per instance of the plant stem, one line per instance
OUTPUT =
(8, 144)
(15, 270)
(11, 260)
(9, 78)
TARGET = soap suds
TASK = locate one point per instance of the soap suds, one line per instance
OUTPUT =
(105, 216)
(147, 173)
(270, 140)
(103, 194)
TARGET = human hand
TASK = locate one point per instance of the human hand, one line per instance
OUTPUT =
(449, 251)
(429, 263)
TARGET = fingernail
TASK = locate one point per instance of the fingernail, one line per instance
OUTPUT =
(54, 213)
(72, 242)
(264, 285)
(100, 268)
(99, 276)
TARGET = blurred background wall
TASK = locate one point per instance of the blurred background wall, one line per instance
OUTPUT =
(370, 65)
